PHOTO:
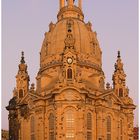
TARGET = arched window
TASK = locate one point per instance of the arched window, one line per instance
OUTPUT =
(121, 130)
(120, 92)
(51, 127)
(69, 73)
(32, 128)
(89, 126)
(70, 125)
(108, 127)
(20, 93)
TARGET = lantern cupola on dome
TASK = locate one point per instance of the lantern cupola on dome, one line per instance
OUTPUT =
(68, 8)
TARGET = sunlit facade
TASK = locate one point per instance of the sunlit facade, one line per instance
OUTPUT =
(71, 100)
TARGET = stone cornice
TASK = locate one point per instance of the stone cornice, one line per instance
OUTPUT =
(80, 63)
(50, 65)
(89, 64)
(129, 106)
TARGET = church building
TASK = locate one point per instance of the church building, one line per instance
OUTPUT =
(71, 100)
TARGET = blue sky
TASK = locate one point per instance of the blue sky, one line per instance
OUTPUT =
(24, 23)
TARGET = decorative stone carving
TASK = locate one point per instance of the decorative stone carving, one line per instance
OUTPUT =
(39, 110)
(89, 26)
(51, 26)
(24, 111)
(70, 23)
(69, 41)
(50, 101)
(32, 88)
(13, 119)
(89, 101)
(119, 75)
(127, 100)
(30, 104)
(75, 48)
(107, 86)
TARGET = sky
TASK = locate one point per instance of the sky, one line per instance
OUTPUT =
(24, 23)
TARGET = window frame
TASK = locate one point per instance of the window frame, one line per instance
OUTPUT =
(69, 74)
(108, 128)
(89, 126)
(70, 125)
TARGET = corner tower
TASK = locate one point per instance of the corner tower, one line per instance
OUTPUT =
(22, 79)
(119, 78)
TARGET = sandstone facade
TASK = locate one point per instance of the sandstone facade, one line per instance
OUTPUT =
(70, 100)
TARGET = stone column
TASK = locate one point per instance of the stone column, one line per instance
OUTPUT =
(62, 3)
(70, 3)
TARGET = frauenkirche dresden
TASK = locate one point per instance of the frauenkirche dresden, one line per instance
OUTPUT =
(71, 100)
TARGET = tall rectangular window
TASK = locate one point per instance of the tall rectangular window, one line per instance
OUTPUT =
(89, 126)
(70, 125)
(69, 73)
(51, 127)
(108, 127)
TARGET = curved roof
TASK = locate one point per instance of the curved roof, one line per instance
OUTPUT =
(70, 30)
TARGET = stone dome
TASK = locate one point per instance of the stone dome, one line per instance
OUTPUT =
(70, 27)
